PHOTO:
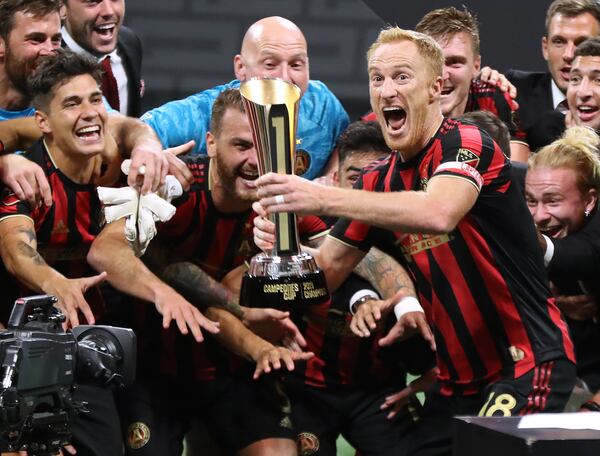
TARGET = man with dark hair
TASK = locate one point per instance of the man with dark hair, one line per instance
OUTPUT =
(542, 95)
(96, 28)
(45, 247)
(29, 33)
(444, 206)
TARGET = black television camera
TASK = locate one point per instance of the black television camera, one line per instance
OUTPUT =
(41, 365)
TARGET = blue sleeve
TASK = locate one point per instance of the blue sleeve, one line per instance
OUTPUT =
(180, 121)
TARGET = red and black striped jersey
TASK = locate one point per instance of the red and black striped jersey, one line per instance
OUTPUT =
(483, 285)
(217, 242)
(64, 230)
(486, 97)
(343, 360)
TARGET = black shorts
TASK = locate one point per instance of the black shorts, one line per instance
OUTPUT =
(96, 433)
(321, 415)
(546, 388)
(237, 411)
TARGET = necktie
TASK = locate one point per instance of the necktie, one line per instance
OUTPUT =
(110, 90)
(563, 106)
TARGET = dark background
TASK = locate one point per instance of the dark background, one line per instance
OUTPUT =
(189, 44)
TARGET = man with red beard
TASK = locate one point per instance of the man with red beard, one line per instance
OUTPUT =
(457, 33)
(96, 28)
(29, 32)
(445, 206)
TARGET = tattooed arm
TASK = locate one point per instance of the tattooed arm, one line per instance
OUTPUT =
(201, 289)
(111, 252)
(385, 274)
(18, 248)
(379, 269)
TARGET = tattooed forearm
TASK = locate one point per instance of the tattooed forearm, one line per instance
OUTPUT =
(29, 233)
(26, 250)
(384, 273)
(200, 289)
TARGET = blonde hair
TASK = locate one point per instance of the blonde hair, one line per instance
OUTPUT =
(444, 23)
(576, 149)
(427, 47)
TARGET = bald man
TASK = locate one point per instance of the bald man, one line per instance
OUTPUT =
(272, 47)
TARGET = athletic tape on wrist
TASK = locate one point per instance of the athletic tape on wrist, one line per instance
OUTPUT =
(407, 304)
(360, 295)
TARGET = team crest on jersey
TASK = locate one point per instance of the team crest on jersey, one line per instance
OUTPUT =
(60, 228)
(308, 444)
(138, 435)
(468, 157)
(302, 162)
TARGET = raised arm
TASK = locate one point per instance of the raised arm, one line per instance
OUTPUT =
(110, 252)
(18, 248)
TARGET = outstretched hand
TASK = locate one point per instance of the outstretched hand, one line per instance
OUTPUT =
(274, 358)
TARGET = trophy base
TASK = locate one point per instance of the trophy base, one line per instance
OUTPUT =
(283, 282)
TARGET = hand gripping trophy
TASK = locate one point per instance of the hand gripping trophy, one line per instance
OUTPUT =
(288, 278)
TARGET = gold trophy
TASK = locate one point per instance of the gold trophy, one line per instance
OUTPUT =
(288, 278)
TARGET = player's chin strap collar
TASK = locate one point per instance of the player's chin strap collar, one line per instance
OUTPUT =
(142, 211)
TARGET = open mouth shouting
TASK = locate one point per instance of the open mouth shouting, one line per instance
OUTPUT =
(89, 133)
(106, 31)
(550, 231)
(586, 112)
(249, 177)
(395, 118)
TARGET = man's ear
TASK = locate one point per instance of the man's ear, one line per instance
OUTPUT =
(435, 90)
(545, 47)
(477, 64)
(2, 49)
(211, 145)
(239, 68)
(591, 200)
(41, 119)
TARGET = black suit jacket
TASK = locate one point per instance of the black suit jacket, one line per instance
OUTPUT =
(129, 48)
(538, 118)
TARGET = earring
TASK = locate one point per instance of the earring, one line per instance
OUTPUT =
(587, 212)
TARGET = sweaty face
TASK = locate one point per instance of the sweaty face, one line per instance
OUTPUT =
(404, 95)
(352, 166)
(460, 68)
(277, 52)
(76, 117)
(555, 202)
(235, 156)
(564, 34)
(583, 92)
(31, 40)
(95, 24)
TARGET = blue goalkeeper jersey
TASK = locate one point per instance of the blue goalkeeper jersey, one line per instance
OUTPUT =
(321, 119)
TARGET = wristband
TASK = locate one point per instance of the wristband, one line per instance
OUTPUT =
(407, 304)
(359, 297)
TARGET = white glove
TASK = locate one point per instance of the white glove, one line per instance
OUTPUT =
(142, 211)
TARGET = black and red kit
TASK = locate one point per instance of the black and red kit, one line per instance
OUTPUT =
(483, 285)
(64, 231)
